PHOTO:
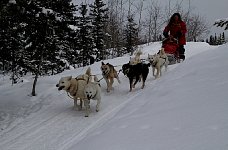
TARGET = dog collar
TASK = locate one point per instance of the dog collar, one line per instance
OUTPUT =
(79, 78)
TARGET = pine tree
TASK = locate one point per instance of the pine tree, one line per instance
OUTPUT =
(65, 31)
(46, 33)
(219, 41)
(99, 17)
(223, 38)
(222, 23)
(34, 35)
(131, 35)
(10, 37)
(85, 36)
(215, 40)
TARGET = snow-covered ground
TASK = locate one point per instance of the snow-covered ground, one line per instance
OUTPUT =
(185, 109)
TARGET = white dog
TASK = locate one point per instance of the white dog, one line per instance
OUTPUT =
(93, 91)
(75, 87)
(158, 61)
(136, 59)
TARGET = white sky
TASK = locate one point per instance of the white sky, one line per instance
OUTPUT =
(211, 10)
(185, 109)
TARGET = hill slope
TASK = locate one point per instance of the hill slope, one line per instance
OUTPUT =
(184, 109)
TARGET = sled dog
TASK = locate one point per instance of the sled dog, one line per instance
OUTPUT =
(157, 61)
(75, 87)
(136, 72)
(109, 73)
(136, 59)
(92, 91)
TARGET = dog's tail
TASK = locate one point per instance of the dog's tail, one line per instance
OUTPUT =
(162, 51)
(138, 53)
(88, 71)
(96, 80)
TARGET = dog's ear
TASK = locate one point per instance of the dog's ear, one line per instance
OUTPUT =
(95, 78)
(102, 63)
(69, 78)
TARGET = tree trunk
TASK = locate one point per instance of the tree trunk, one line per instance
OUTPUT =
(37, 74)
(34, 85)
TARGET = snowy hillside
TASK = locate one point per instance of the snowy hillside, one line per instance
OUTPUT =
(185, 109)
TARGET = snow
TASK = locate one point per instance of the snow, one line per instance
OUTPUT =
(46, 11)
(185, 109)
(12, 2)
(222, 19)
(75, 28)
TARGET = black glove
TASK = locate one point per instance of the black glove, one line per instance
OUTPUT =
(166, 35)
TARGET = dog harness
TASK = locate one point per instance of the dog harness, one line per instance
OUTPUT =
(77, 87)
(154, 64)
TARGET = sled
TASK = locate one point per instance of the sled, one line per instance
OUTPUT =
(171, 46)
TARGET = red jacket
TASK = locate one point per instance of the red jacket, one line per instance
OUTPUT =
(177, 30)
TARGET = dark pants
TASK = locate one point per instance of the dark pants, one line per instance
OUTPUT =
(181, 52)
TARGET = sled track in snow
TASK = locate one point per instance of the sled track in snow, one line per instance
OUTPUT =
(70, 126)
(77, 137)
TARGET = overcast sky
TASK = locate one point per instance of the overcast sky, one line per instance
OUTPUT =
(211, 10)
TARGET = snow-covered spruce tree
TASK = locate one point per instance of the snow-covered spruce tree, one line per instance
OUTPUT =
(99, 17)
(46, 32)
(85, 39)
(113, 29)
(131, 35)
(66, 31)
(223, 38)
(10, 38)
(5, 54)
(222, 23)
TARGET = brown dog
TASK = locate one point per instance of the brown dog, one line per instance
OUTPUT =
(109, 73)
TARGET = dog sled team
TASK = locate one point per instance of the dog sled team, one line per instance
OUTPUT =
(82, 89)
(86, 86)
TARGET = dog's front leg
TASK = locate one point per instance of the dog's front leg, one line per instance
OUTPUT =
(158, 71)
(98, 105)
(86, 101)
(136, 81)
(131, 83)
(79, 107)
(75, 103)
(166, 65)
(111, 83)
(143, 85)
(153, 71)
(108, 84)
